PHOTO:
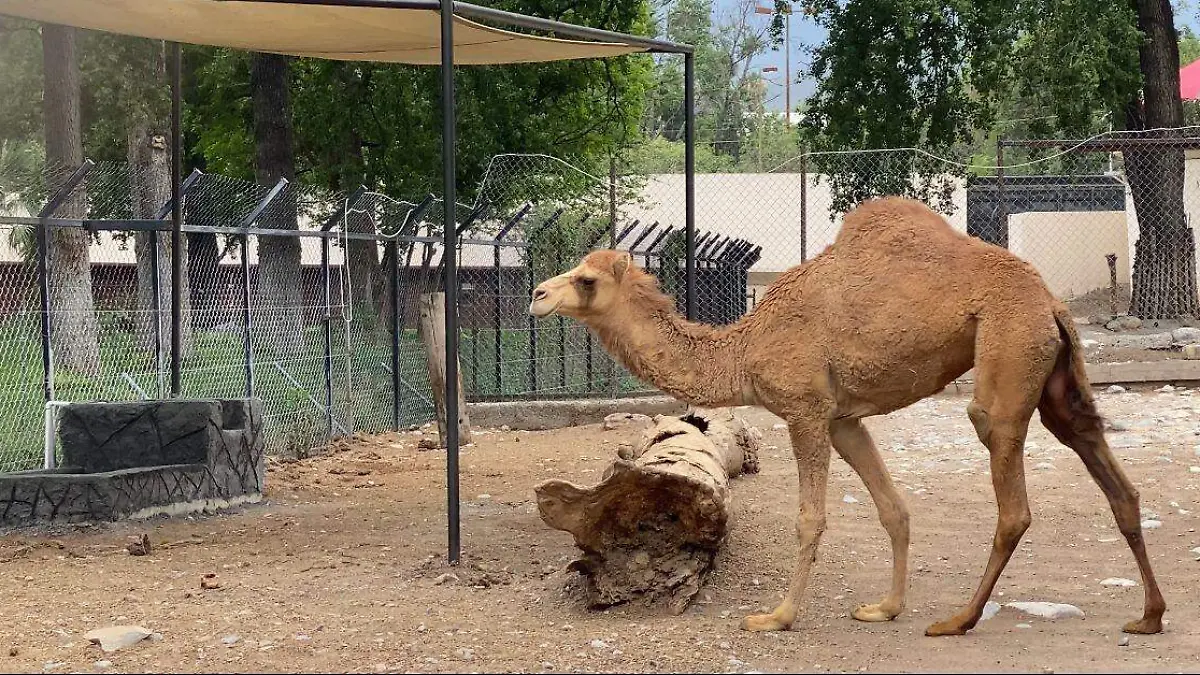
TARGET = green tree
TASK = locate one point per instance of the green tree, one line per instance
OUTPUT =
(933, 73)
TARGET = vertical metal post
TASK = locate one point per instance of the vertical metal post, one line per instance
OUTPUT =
(689, 186)
(804, 206)
(177, 243)
(532, 324)
(1002, 203)
(496, 320)
(397, 327)
(247, 343)
(44, 264)
(562, 333)
(450, 244)
(327, 296)
(156, 298)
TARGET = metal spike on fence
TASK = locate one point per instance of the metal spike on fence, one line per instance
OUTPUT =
(473, 216)
(645, 233)
(625, 233)
(344, 208)
(546, 224)
(658, 239)
(188, 183)
(514, 221)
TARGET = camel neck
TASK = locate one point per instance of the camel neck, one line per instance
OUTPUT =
(696, 363)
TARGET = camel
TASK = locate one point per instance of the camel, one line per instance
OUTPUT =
(897, 308)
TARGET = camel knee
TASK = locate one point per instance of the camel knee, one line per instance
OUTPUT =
(980, 420)
(809, 529)
(1011, 527)
(894, 517)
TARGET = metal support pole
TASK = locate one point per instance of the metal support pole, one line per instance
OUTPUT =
(397, 326)
(43, 267)
(496, 328)
(247, 342)
(1002, 204)
(803, 206)
(156, 295)
(449, 230)
(689, 168)
(327, 294)
(176, 222)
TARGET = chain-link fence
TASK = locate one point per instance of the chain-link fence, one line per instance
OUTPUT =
(311, 300)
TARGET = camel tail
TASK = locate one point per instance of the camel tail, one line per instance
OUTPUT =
(1067, 395)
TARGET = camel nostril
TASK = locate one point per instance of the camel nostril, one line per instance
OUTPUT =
(539, 294)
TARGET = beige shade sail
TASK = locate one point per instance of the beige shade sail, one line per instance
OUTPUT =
(383, 34)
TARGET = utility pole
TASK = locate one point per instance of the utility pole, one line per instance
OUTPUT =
(787, 55)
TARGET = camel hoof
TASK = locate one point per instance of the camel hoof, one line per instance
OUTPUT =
(873, 613)
(757, 623)
(947, 627)
(1144, 626)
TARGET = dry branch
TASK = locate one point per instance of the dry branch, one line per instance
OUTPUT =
(652, 527)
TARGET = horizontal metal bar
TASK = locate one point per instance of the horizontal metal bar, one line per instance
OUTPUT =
(562, 29)
(384, 4)
(494, 244)
(1102, 144)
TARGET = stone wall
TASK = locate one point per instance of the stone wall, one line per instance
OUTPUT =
(141, 458)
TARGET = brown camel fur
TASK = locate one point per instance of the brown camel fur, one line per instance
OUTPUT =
(897, 308)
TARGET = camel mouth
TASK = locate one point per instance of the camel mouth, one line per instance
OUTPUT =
(543, 312)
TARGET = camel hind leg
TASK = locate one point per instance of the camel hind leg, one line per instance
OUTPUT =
(1068, 411)
(1010, 371)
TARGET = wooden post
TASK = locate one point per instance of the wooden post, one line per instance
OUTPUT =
(432, 329)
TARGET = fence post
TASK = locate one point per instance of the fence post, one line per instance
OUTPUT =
(156, 275)
(327, 294)
(249, 220)
(44, 264)
(1002, 203)
(397, 326)
(803, 207)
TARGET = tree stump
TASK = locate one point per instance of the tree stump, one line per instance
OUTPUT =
(432, 330)
(651, 529)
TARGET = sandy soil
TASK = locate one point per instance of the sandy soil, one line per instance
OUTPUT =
(342, 569)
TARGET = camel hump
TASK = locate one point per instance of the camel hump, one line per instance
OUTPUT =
(892, 218)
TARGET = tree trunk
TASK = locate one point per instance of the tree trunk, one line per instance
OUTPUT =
(76, 333)
(150, 160)
(1164, 264)
(279, 295)
(652, 527)
(432, 329)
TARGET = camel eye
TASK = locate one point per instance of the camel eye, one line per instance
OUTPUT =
(586, 282)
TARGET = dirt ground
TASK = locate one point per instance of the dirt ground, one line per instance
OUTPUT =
(341, 569)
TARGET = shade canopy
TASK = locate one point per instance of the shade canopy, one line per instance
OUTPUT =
(358, 33)
(1189, 81)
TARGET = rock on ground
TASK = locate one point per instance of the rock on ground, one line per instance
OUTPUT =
(113, 638)
(1047, 610)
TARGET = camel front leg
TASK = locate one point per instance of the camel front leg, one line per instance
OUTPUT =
(852, 441)
(810, 445)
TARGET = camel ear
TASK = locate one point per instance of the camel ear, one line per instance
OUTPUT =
(621, 265)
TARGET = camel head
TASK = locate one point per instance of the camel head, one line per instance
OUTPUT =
(589, 290)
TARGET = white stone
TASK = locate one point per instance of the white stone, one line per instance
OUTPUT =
(230, 640)
(1151, 524)
(990, 609)
(1119, 582)
(1024, 625)
(849, 499)
(1047, 610)
(1194, 469)
(113, 638)
(1043, 466)
(599, 644)
(1116, 389)
(1196, 552)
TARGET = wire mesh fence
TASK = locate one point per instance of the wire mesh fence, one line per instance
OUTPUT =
(310, 300)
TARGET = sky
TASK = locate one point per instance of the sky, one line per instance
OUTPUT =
(806, 33)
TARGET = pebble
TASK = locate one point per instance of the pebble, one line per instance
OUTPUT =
(466, 654)
(1115, 389)
(103, 663)
(445, 578)
(1194, 469)
(1043, 466)
(849, 499)
(1118, 582)
(1124, 641)
(1024, 625)
(230, 640)
(1196, 552)
(599, 644)
(1151, 524)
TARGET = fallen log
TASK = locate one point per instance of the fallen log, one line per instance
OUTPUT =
(651, 529)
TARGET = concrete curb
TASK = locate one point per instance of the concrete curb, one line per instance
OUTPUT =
(542, 415)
